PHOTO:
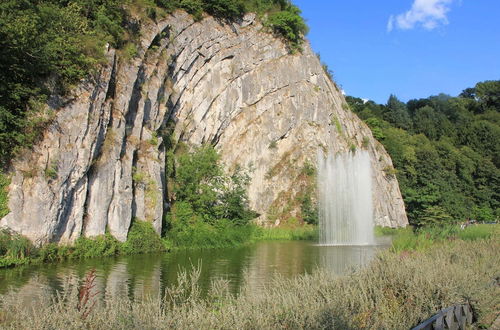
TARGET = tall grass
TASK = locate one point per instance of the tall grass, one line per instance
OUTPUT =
(301, 233)
(396, 291)
(409, 239)
(204, 235)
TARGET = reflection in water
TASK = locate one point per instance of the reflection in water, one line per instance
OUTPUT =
(250, 267)
(342, 259)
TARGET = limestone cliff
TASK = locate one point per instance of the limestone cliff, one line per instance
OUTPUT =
(101, 162)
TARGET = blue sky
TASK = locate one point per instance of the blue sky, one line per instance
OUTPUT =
(410, 48)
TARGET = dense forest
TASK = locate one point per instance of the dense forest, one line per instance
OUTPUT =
(446, 152)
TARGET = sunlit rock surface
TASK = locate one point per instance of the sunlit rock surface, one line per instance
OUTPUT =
(102, 161)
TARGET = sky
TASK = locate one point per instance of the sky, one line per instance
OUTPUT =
(409, 48)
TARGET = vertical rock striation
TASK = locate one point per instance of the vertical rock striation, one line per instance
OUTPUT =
(101, 163)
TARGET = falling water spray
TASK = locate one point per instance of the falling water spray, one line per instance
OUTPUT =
(345, 199)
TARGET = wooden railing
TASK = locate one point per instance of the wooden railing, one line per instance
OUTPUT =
(455, 317)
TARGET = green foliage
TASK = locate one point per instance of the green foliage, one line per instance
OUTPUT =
(210, 206)
(308, 208)
(445, 150)
(203, 235)
(228, 9)
(335, 121)
(100, 246)
(308, 169)
(289, 24)
(18, 250)
(130, 51)
(142, 238)
(14, 249)
(45, 48)
(366, 142)
(409, 239)
(4, 197)
(286, 233)
(386, 231)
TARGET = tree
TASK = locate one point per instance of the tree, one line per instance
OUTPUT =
(396, 113)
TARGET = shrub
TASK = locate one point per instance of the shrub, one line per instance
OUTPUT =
(142, 238)
(366, 142)
(211, 195)
(194, 7)
(100, 246)
(228, 9)
(289, 24)
(14, 249)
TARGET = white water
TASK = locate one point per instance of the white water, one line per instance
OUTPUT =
(345, 199)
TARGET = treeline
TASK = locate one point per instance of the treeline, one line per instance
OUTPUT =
(47, 46)
(446, 151)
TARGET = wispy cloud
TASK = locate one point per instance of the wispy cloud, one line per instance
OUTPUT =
(426, 13)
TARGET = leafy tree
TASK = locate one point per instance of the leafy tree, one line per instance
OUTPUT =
(206, 192)
(396, 113)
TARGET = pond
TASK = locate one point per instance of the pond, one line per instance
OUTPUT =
(251, 266)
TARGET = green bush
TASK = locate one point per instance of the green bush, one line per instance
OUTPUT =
(14, 249)
(100, 246)
(206, 193)
(228, 9)
(289, 24)
(142, 238)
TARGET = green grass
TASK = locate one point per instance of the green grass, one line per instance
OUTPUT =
(303, 233)
(203, 235)
(409, 239)
(396, 291)
(387, 231)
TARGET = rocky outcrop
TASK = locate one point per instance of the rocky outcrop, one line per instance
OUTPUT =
(102, 161)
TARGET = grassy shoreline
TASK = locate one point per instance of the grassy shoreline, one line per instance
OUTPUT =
(16, 250)
(143, 239)
(396, 291)
(411, 239)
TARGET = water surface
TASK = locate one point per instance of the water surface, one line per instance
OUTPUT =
(251, 266)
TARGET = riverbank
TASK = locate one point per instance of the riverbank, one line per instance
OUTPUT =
(411, 239)
(397, 291)
(16, 250)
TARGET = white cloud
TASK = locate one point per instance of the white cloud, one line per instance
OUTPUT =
(427, 13)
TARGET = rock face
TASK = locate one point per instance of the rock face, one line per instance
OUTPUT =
(101, 163)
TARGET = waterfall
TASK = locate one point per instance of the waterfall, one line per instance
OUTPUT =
(345, 199)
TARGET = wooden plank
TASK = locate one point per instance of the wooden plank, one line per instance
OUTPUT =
(453, 318)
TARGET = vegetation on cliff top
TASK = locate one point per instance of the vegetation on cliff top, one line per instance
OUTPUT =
(446, 151)
(396, 291)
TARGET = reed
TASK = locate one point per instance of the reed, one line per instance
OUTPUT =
(396, 291)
